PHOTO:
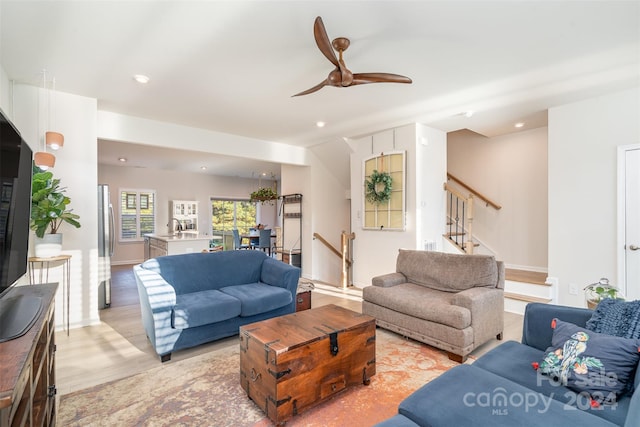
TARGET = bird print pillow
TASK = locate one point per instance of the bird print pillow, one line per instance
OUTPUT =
(588, 362)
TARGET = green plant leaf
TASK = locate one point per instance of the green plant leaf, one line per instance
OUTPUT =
(49, 204)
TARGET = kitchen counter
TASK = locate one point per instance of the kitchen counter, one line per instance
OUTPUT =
(179, 236)
(156, 245)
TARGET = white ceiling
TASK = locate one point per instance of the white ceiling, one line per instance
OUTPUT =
(232, 66)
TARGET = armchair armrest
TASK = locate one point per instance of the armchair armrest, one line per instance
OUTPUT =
(487, 311)
(536, 330)
(388, 280)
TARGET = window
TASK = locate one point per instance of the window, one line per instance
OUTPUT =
(388, 215)
(229, 214)
(137, 214)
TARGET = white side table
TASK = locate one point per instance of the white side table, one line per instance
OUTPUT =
(43, 277)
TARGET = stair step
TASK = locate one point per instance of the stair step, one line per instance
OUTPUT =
(526, 298)
(526, 276)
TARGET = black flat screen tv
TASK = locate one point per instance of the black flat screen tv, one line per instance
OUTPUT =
(17, 312)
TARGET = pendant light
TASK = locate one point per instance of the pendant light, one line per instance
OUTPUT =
(53, 140)
(44, 160)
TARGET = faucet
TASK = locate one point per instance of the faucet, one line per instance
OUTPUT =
(179, 224)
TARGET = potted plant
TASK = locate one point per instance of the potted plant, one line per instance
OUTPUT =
(263, 195)
(49, 209)
(600, 290)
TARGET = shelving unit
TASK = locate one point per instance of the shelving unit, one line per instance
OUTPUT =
(291, 211)
(27, 367)
(185, 211)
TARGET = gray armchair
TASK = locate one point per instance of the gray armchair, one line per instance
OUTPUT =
(450, 301)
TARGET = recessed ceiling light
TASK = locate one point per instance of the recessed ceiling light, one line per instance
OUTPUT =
(122, 159)
(519, 124)
(320, 124)
(141, 78)
(204, 168)
(467, 113)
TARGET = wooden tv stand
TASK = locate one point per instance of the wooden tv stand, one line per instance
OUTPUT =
(27, 367)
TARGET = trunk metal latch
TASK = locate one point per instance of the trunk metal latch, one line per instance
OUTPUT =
(333, 343)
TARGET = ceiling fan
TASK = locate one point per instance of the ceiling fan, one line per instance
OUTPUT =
(341, 76)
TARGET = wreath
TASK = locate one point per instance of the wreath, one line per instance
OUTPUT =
(374, 193)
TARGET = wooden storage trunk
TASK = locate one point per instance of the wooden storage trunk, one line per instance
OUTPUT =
(303, 301)
(292, 362)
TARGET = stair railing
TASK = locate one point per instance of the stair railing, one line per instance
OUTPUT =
(460, 219)
(344, 254)
(460, 209)
(479, 195)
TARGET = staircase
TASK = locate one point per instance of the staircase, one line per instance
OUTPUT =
(522, 287)
(460, 207)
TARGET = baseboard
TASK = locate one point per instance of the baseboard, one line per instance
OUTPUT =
(527, 268)
(134, 262)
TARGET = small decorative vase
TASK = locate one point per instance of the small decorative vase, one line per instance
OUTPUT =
(48, 246)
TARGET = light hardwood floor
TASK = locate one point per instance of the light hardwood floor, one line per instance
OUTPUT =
(118, 347)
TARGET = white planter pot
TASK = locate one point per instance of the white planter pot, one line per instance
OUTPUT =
(48, 246)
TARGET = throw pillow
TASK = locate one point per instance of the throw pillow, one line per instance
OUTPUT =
(588, 362)
(616, 317)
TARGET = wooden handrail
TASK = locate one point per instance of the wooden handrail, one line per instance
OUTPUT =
(482, 197)
(456, 193)
(330, 246)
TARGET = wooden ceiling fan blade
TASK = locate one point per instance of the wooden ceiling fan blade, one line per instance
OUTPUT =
(313, 89)
(323, 42)
(364, 78)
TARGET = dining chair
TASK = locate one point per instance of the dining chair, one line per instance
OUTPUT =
(264, 242)
(237, 244)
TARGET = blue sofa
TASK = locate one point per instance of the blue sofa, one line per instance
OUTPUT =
(190, 299)
(502, 388)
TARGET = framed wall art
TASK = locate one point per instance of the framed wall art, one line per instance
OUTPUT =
(384, 191)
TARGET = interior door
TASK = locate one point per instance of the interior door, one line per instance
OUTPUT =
(632, 223)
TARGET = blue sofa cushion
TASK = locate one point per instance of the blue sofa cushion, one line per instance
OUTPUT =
(397, 421)
(195, 272)
(601, 365)
(256, 298)
(536, 331)
(470, 396)
(202, 308)
(513, 361)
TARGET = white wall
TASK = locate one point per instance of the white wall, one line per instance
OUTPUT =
(5, 94)
(325, 210)
(583, 138)
(431, 172)
(173, 185)
(330, 217)
(375, 251)
(76, 119)
(297, 179)
(512, 171)
(118, 127)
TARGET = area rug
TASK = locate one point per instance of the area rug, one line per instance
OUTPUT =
(205, 391)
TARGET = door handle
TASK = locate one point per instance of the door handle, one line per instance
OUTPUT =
(634, 247)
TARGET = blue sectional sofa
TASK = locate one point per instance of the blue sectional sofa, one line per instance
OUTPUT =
(505, 387)
(190, 299)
